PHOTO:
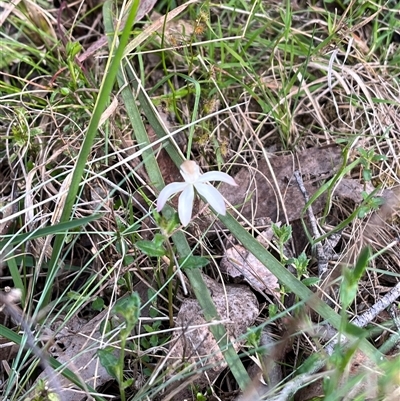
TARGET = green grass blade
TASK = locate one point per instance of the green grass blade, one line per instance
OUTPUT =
(218, 331)
(152, 116)
(132, 110)
(16, 276)
(57, 229)
(102, 100)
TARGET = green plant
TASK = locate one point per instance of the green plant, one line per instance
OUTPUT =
(128, 308)
(282, 234)
(155, 339)
(369, 204)
(368, 158)
(343, 354)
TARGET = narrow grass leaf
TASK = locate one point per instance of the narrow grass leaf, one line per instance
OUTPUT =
(16, 276)
(57, 229)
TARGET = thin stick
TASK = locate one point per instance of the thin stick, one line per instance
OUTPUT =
(322, 258)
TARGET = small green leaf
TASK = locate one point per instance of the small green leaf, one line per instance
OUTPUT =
(73, 48)
(153, 312)
(310, 281)
(173, 223)
(303, 260)
(65, 91)
(148, 328)
(362, 211)
(74, 295)
(98, 304)
(272, 310)
(127, 383)
(367, 176)
(301, 263)
(145, 343)
(109, 361)
(349, 286)
(200, 397)
(151, 248)
(154, 340)
(348, 289)
(362, 263)
(105, 326)
(363, 153)
(379, 158)
(53, 397)
(158, 240)
(282, 233)
(193, 262)
(128, 260)
(168, 222)
(253, 335)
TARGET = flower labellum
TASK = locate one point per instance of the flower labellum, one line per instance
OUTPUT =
(195, 180)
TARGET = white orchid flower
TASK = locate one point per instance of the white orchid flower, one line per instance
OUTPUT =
(195, 180)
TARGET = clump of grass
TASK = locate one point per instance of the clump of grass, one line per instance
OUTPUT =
(80, 173)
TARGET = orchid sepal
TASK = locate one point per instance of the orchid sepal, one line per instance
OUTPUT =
(217, 176)
(167, 192)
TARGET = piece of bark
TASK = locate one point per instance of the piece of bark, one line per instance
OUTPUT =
(349, 188)
(239, 263)
(235, 303)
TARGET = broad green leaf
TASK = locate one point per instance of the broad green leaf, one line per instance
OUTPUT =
(193, 262)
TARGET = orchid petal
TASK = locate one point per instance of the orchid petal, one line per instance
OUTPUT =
(213, 197)
(185, 205)
(169, 190)
(217, 176)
